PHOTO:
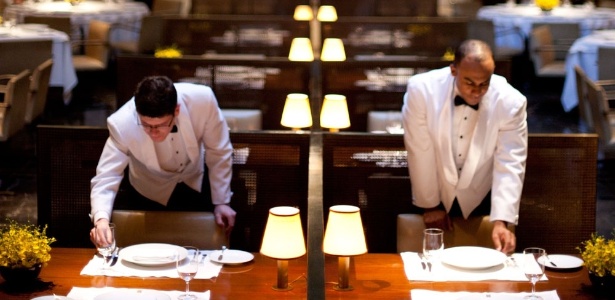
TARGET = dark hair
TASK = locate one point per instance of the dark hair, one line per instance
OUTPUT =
(477, 50)
(156, 97)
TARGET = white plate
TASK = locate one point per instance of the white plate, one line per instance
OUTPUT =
(231, 257)
(133, 295)
(32, 26)
(51, 297)
(472, 257)
(152, 254)
(561, 261)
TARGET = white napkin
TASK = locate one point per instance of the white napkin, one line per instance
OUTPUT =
(78, 293)
(207, 269)
(417, 294)
(442, 272)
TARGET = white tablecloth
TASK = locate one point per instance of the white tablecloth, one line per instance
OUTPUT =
(521, 17)
(418, 294)
(63, 72)
(584, 52)
(128, 13)
(79, 293)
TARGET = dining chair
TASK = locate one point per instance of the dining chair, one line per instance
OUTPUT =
(563, 36)
(150, 36)
(96, 48)
(543, 51)
(486, 31)
(475, 231)
(198, 229)
(39, 86)
(606, 63)
(167, 7)
(603, 118)
(14, 93)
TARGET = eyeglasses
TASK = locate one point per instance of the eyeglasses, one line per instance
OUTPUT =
(149, 128)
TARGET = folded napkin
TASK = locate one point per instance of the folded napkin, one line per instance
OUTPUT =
(418, 294)
(207, 269)
(78, 293)
(443, 272)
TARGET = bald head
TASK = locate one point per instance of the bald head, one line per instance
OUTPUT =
(473, 50)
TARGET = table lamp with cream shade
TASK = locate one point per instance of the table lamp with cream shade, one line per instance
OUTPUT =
(334, 113)
(297, 113)
(333, 50)
(344, 237)
(283, 240)
(301, 50)
(327, 13)
(303, 13)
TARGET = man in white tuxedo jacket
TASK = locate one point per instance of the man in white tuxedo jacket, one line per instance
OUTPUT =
(165, 135)
(466, 157)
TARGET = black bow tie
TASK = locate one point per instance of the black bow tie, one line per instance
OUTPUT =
(461, 101)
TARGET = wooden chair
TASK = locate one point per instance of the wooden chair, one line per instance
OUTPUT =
(167, 7)
(198, 229)
(606, 63)
(14, 89)
(603, 118)
(563, 36)
(543, 53)
(582, 85)
(150, 35)
(39, 86)
(96, 48)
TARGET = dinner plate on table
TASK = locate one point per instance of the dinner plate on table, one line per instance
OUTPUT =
(231, 257)
(468, 257)
(561, 262)
(52, 297)
(133, 295)
(152, 254)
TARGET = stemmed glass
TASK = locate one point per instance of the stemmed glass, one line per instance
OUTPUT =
(187, 268)
(433, 243)
(532, 267)
(107, 250)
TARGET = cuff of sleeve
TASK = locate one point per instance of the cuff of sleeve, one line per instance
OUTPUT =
(100, 215)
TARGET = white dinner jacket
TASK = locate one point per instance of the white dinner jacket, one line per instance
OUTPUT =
(206, 138)
(496, 157)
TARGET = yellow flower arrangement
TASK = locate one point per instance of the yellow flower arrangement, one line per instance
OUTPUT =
(598, 254)
(168, 52)
(547, 4)
(24, 245)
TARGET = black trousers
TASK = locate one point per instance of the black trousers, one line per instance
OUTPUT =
(183, 198)
(483, 209)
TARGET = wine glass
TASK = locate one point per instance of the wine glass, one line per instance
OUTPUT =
(187, 268)
(107, 250)
(433, 243)
(532, 267)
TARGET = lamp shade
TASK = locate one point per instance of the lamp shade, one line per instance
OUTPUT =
(344, 234)
(297, 113)
(327, 13)
(333, 50)
(303, 13)
(334, 113)
(283, 238)
(301, 50)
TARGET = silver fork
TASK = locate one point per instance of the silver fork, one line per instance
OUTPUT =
(221, 253)
(425, 262)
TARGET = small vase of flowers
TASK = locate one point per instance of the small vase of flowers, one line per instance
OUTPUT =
(24, 250)
(547, 5)
(168, 52)
(598, 254)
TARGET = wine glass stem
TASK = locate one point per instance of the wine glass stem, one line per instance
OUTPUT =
(187, 287)
(533, 289)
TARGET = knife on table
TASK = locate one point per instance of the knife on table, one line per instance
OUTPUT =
(114, 258)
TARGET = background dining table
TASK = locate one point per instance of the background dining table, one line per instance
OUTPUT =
(372, 276)
(126, 13)
(584, 53)
(521, 17)
(63, 72)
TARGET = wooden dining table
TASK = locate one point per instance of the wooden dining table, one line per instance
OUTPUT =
(372, 276)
